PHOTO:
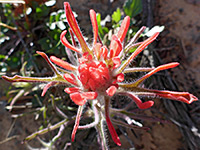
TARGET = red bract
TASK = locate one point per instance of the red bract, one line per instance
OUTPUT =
(100, 73)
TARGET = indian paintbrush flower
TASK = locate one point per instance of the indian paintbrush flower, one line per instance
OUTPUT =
(100, 72)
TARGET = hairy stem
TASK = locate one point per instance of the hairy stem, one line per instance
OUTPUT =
(100, 129)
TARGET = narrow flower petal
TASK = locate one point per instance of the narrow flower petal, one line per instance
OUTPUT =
(66, 43)
(124, 28)
(112, 131)
(70, 78)
(94, 25)
(137, 51)
(78, 117)
(159, 68)
(111, 90)
(71, 90)
(62, 63)
(77, 98)
(75, 28)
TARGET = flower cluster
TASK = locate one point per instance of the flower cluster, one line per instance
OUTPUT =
(100, 72)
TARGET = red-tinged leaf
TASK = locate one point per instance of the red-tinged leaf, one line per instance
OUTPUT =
(159, 68)
(67, 44)
(75, 28)
(134, 39)
(18, 78)
(71, 90)
(179, 96)
(137, 51)
(144, 44)
(62, 63)
(124, 28)
(112, 131)
(111, 90)
(48, 61)
(78, 99)
(129, 70)
(78, 117)
(94, 25)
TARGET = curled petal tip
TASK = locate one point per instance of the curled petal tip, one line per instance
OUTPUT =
(40, 53)
(173, 64)
(15, 78)
(146, 105)
(192, 98)
(9, 79)
(139, 103)
(66, 3)
(124, 28)
(66, 43)
(179, 96)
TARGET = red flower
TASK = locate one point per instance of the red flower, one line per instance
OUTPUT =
(100, 73)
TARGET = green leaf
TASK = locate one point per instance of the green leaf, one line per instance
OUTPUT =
(116, 16)
(42, 11)
(132, 7)
(2, 56)
(38, 10)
